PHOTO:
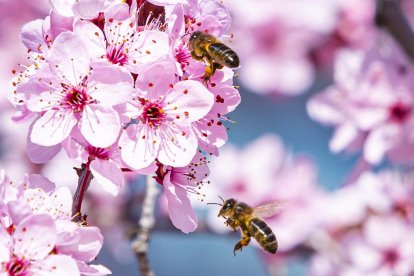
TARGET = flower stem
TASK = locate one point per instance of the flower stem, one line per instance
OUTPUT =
(390, 16)
(85, 178)
(146, 223)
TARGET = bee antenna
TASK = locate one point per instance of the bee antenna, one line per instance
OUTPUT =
(214, 203)
(185, 35)
(221, 198)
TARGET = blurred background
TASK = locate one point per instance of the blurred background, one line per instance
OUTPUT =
(297, 138)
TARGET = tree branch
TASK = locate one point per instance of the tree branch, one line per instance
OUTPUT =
(146, 223)
(390, 16)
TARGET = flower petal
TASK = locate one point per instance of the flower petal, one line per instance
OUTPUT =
(89, 244)
(100, 125)
(31, 35)
(5, 245)
(63, 7)
(69, 58)
(55, 265)
(178, 145)
(108, 175)
(152, 46)
(190, 98)
(104, 78)
(139, 146)
(35, 237)
(93, 270)
(87, 9)
(18, 211)
(379, 142)
(39, 181)
(40, 154)
(180, 210)
(156, 78)
(92, 36)
(53, 127)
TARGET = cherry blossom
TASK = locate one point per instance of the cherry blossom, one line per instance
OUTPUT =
(178, 184)
(378, 123)
(350, 237)
(122, 44)
(67, 93)
(37, 196)
(28, 246)
(163, 110)
(275, 43)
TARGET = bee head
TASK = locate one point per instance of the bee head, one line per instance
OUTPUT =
(227, 207)
(195, 35)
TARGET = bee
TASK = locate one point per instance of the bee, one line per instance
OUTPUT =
(213, 52)
(239, 214)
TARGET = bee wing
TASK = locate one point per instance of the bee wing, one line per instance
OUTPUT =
(268, 210)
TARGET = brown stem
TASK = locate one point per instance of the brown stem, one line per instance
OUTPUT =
(85, 178)
(146, 223)
(390, 16)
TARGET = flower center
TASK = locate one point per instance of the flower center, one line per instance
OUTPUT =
(100, 153)
(399, 112)
(182, 55)
(117, 56)
(17, 267)
(75, 98)
(153, 113)
(391, 257)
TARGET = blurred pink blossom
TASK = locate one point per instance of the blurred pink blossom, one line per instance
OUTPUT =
(370, 104)
(274, 40)
(374, 234)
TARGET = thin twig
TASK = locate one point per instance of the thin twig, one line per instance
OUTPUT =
(390, 16)
(146, 223)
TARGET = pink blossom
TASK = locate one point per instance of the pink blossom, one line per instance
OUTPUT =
(374, 254)
(350, 240)
(104, 163)
(37, 196)
(370, 105)
(27, 248)
(274, 41)
(178, 184)
(210, 130)
(67, 93)
(122, 44)
(163, 110)
(354, 28)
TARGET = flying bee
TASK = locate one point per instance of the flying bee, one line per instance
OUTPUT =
(239, 214)
(213, 52)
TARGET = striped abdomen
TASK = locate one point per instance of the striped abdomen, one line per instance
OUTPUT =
(223, 55)
(259, 230)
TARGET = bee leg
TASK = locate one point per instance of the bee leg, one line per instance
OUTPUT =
(208, 73)
(231, 223)
(195, 56)
(243, 242)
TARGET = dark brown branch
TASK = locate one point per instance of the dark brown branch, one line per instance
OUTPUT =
(390, 16)
(146, 223)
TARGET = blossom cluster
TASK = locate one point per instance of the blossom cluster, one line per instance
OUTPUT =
(114, 85)
(370, 102)
(37, 234)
